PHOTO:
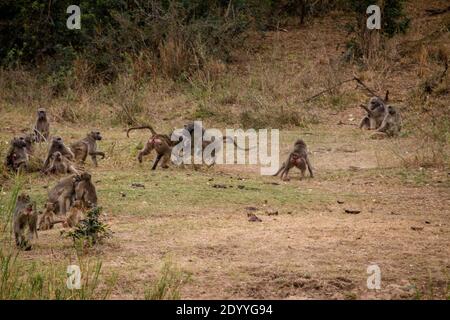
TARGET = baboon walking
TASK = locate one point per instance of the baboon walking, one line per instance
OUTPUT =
(297, 158)
(25, 217)
(88, 146)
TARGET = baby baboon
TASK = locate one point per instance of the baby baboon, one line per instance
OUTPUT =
(85, 191)
(297, 158)
(391, 125)
(63, 193)
(88, 146)
(159, 142)
(42, 126)
(74, 216)
(29, 139)
(47, 218)
(17, 156)
(57, 145)
(60, 165)
(25, 216)
(375, 114)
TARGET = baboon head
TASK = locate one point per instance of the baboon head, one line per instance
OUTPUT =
(30, 138)
(49, 207)
(57, 142)
(96, 135)
(23, 198)
(57, 156)
(19, 142)
(375, 102)
(42, 114)
(391, 110)
(300, 142)
(85, 176)
(77, 204)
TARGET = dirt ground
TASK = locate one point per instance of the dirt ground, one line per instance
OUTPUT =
(306, 246)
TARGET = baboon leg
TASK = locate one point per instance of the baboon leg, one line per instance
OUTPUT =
(155, 164)
(165, 161)
(146, 151)
(373, 124)
(365, 123)
(94, 159)
(279, 170)
(285, 174)
(309, 168)
(302, 174)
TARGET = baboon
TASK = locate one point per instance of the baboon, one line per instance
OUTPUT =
(85, 191)
(74, 216)
(297, 158)
(375, 114)
(29, 139)
(25, 216)
(88, 146)
(63, 193)
(60, 165)
(17, 156)
(391, 125)
(42, 126)
(47, 218)
(57, 145)
(159, 142)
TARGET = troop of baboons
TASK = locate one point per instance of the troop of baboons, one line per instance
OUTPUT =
(74, 194)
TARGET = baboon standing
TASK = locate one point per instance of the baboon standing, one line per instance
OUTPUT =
(88, 146)
(297, 158)
(42, 126)
(25, 216)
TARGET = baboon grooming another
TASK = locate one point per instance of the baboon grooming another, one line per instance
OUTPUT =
(391, 125)
(85, 191)
(88, 146)
(42, 126)
(375, 112)
(60, 165)
(25, 216)
(47, 218)
(17, 156)
(57, 145)
(63, 193)
(297, 158)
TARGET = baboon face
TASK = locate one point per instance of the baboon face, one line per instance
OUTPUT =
(58, 156)
(96, 135)
(49, 207)
(391, 110)
(85, 176)
(42, 114)
(19, 142)
(30, 138)
(24, 198)
(375, 102)
(57, 141)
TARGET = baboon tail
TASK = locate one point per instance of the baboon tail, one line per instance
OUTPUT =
(279, 170)
(230, 139)
(139, 128)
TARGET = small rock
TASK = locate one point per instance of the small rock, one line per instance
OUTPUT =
(253, 218)
(352, 211)
(219, 186)
(251, 208)
(427, 222)
(123, 194)
(340, 201)
(417, 228)
(272, 212)
(137, 185)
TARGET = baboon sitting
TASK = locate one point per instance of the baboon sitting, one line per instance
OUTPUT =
(60, 165)
(297, 158)
(30, 139)
(57, 146)
(88, 146)
(25, 216)
(375, 114)
(63, 193)
(47, 218)
(42, 126)
(74, 216)
(391, 125)
(85, 191)
(17, 156)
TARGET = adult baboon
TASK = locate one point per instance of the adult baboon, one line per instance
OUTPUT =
(375, 114)
(161, 143)
(88, 146)
(17, 156)
(30, 139)
(391, 125)
(25, 216)
(60, 165)
(63, 193)
(57, 145)
(42, 126)
(297, 158)
(85, 191)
